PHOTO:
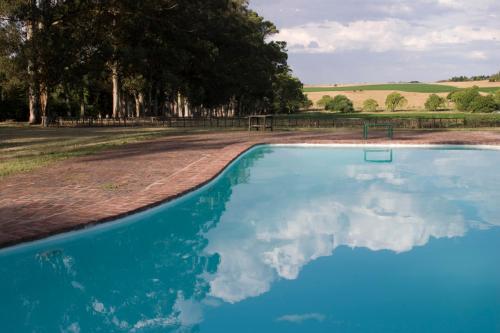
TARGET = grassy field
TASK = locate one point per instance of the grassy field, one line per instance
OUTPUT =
(414, 115)
(405, 87)
(489, 90)
(24, 148)
(415, 93)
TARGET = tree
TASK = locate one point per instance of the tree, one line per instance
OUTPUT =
(288, 95)
(495, 77)
(150, 57)
(44, 41)
(496, 97)
(434, 102)
(394, 101)
(370, 105)
(324, 101)
(482, 104)
(463, 98)
(340, 103)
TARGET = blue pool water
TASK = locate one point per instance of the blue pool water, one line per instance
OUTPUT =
(287, 239)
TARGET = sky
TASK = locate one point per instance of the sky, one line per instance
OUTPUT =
(353, 41)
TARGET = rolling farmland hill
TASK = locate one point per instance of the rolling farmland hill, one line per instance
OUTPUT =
(415, 93)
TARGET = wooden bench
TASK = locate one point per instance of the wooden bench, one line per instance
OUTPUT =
(260, 123)
(389, 127)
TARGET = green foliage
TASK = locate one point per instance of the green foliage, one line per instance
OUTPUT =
(288, 95)
(307, 104)
(324, 101)
(435, 102)
(370, 105)
(218, 55)
(394, 101)
(471, 100)
(463, 78)
(449, 97)
(495, 77)
(482, 104)
(464, 98)
(340, 103)
(496, 97)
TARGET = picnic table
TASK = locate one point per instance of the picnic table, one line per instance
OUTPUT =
(260, 122)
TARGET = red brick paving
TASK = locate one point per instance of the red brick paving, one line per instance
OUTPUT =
(83, 191)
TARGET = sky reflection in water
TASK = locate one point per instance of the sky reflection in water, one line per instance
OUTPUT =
(288, 239)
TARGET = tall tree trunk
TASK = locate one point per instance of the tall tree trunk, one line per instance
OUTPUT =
(149, 104)
(44, 98)
(183, 105)
(82, 103)
(34, 99)
(116, 89)
(123, 104)
(33, 88)
(155, 103)
(139, 104)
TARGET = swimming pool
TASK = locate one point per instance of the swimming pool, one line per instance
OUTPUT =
(287, 239)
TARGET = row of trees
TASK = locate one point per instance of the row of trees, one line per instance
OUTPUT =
(121, 58)
(342, 103)
(465, 100)
(463, 78)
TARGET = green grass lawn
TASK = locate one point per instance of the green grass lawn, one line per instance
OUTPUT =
(24, 148)
(406, 87)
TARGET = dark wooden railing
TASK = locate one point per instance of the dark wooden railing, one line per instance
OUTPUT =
(279, 122)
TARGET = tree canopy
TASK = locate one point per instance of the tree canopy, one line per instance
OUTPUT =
(340, 103)
(435, 102)
(394, 101)
(370, 105)
(150, 57)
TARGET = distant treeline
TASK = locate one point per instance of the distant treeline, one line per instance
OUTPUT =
(122, 58)
(491, 78)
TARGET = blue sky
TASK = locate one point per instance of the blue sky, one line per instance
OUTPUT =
(335, 41)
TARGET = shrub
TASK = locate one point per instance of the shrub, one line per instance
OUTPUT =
(483, 104)
(395, 100)
(306, 103)
(340, 103)
(463, 98)
(496, 97)
(370, 105)
(434, 102)
(450, 95)
(495, 77)
(324, 101)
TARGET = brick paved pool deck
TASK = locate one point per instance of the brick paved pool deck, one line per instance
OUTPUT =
(85, 191)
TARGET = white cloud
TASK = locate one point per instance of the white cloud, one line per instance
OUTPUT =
(381, 207)
(299, 318)
(395, 9)
(477, 55)
(467, 4)
(381, 36)
(281, 247)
